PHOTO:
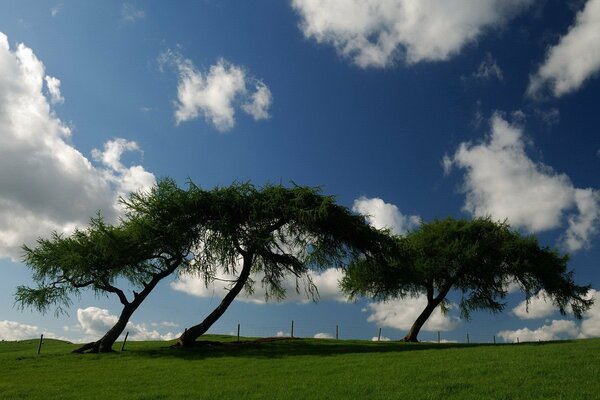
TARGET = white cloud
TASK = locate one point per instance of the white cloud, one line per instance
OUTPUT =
(46, 183)
(215, 94)
(95, 322)
(56, 9)
(380, 339)
(282, 334)
(558, 329)
(574, 59)
(562, 329)
(11, 330)
(323, 335)
(53, 85)
(130, 13)
(503, 182)
(325, 281)
(385, 215)
(378, 32)
(540, 306)
(402, 313)
(259, 103)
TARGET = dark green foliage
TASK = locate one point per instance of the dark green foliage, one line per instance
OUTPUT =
(478, 258)
(153, 235)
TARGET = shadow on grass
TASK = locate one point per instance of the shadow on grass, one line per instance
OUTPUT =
(280, 348)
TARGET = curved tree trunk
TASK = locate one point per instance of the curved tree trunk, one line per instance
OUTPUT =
(105, 344)
(412, 334)
(188, 337)
(432, 303)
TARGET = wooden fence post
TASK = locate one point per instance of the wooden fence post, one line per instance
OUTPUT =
(124, 341)
(238, 333)
(468, 341)
(439, 338)
(337, 332)
(40, 345)
(379, 336)
(292, 331)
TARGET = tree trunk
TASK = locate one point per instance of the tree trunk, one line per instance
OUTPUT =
(432, 303)
(105, 344)
(188, 337)
(412, 334)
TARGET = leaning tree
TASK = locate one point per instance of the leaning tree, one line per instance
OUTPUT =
(153, 239)
(276, 232)
(478, 258)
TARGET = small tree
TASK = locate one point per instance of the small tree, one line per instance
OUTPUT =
(478, 258)
(277, 232)
(152, 240)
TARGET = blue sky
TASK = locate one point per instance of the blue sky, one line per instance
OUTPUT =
(401, 109)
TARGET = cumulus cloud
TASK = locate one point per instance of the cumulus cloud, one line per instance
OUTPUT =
(46, 183)
(385, 215)
(53, 85)
(323, 335)
(558, 329)
(94, 322)
(259, 102)
(574, 59)
(539, 306)
(216, 93)
(11, 330)
(502, 181)
(326, 282)
(376, 33)
(402, 313)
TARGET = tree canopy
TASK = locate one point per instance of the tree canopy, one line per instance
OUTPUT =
(276, 232)
(153, 239)
(479, 258)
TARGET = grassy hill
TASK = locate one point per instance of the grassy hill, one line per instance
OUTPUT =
(304, 369)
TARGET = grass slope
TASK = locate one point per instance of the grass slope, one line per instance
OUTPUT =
(302, 369)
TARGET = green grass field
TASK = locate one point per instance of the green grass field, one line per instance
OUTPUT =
(303, 369)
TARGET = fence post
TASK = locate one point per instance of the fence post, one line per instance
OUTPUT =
(40, 345)
(494, 339)
(518, 340)
(292, 331)
(238, 335)
(439, 338)
(379, 336)
(124, 341)
(337, 332)
(468, 341)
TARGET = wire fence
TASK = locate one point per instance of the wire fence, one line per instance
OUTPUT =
(307, 329)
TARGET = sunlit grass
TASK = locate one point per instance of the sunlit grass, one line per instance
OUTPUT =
(302, 369)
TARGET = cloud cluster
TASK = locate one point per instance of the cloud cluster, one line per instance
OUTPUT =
(402, 313)
(501, 180)
(323, 335)
(325, 281)
(47, 184)
(574, 59)
(540, 307)
(216, 93)
(94, 322)
(11, 330)
(378, 32)
(557, 329)
(385, 215)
